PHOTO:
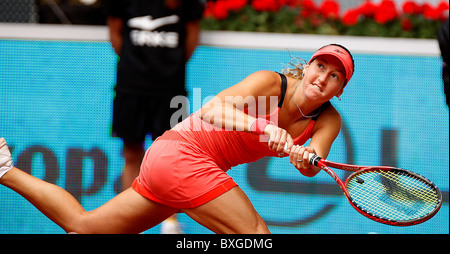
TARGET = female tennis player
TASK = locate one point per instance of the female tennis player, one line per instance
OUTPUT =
(185, 169)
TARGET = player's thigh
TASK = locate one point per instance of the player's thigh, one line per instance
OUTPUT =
(231, 212)
(128, 212)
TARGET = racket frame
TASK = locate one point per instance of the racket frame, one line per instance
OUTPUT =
(325, 166)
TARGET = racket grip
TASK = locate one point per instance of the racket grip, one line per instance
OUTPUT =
(314, 159)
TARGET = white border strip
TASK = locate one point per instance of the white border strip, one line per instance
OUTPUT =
(235, 39)
(313, 42)
(53, 32)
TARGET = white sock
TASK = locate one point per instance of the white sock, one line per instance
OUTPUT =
(5, 158)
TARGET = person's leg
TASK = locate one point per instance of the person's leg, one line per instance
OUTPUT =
(129, 212)
(159, 121)
(129, 125)
(230, 213)
(133, 152)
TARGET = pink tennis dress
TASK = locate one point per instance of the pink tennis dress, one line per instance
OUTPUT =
(186, 167)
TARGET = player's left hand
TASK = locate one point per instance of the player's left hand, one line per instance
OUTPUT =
(299, 157)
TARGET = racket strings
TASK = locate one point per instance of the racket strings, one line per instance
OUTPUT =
(392, 195)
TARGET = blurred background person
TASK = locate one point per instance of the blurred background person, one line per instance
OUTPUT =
(444, 46)
(154, 40)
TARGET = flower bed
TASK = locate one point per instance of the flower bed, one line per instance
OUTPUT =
(304, 16)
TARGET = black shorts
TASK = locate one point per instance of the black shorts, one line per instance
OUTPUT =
(135, 116)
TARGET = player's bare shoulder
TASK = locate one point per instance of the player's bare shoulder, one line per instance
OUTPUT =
(268, 82)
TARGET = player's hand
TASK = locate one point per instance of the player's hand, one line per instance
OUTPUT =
(5, 158)
(278, 138)
(299, 157)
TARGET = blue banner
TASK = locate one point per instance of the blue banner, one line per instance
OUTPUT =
(56, 106)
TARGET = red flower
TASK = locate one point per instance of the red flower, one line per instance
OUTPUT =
(351, 17)
(309, 4)
(330, 9)
(430, 12)
(265, 5)
(236, 5)
(410, 7)
(220, 10)
(308, 8)
(407, 24)
(386, 12)
(368, 9)
(291, 3)
(208, 10)
(283, 2)
(443, 5)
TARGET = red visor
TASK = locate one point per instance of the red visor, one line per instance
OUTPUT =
(341, 54)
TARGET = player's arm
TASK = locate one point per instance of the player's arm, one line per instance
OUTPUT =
(192, 37)
(259, 92)
(225, 109)
(115, 26)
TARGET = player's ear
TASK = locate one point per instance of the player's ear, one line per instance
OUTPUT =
(304, 70)
(305, 67)
(338, 94)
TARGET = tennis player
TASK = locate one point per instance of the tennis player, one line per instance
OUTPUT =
(185, 169)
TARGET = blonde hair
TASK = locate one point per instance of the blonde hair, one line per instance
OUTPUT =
(294, 68)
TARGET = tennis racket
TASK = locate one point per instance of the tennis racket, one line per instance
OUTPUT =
(385, 194)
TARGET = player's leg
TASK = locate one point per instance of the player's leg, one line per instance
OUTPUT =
(129, 212)
(231, 212)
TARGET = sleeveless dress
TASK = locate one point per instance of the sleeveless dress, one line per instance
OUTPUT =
(186, 167)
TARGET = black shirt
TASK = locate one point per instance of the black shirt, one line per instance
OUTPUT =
(152, 60)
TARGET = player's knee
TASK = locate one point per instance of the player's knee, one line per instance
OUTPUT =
(262, 228)
(259, 227)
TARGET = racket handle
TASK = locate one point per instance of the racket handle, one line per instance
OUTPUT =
(314, 159)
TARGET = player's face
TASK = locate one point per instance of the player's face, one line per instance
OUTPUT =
(324, 78)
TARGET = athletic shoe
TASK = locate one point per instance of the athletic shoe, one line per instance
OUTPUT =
(5, 158)
(171, 226)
